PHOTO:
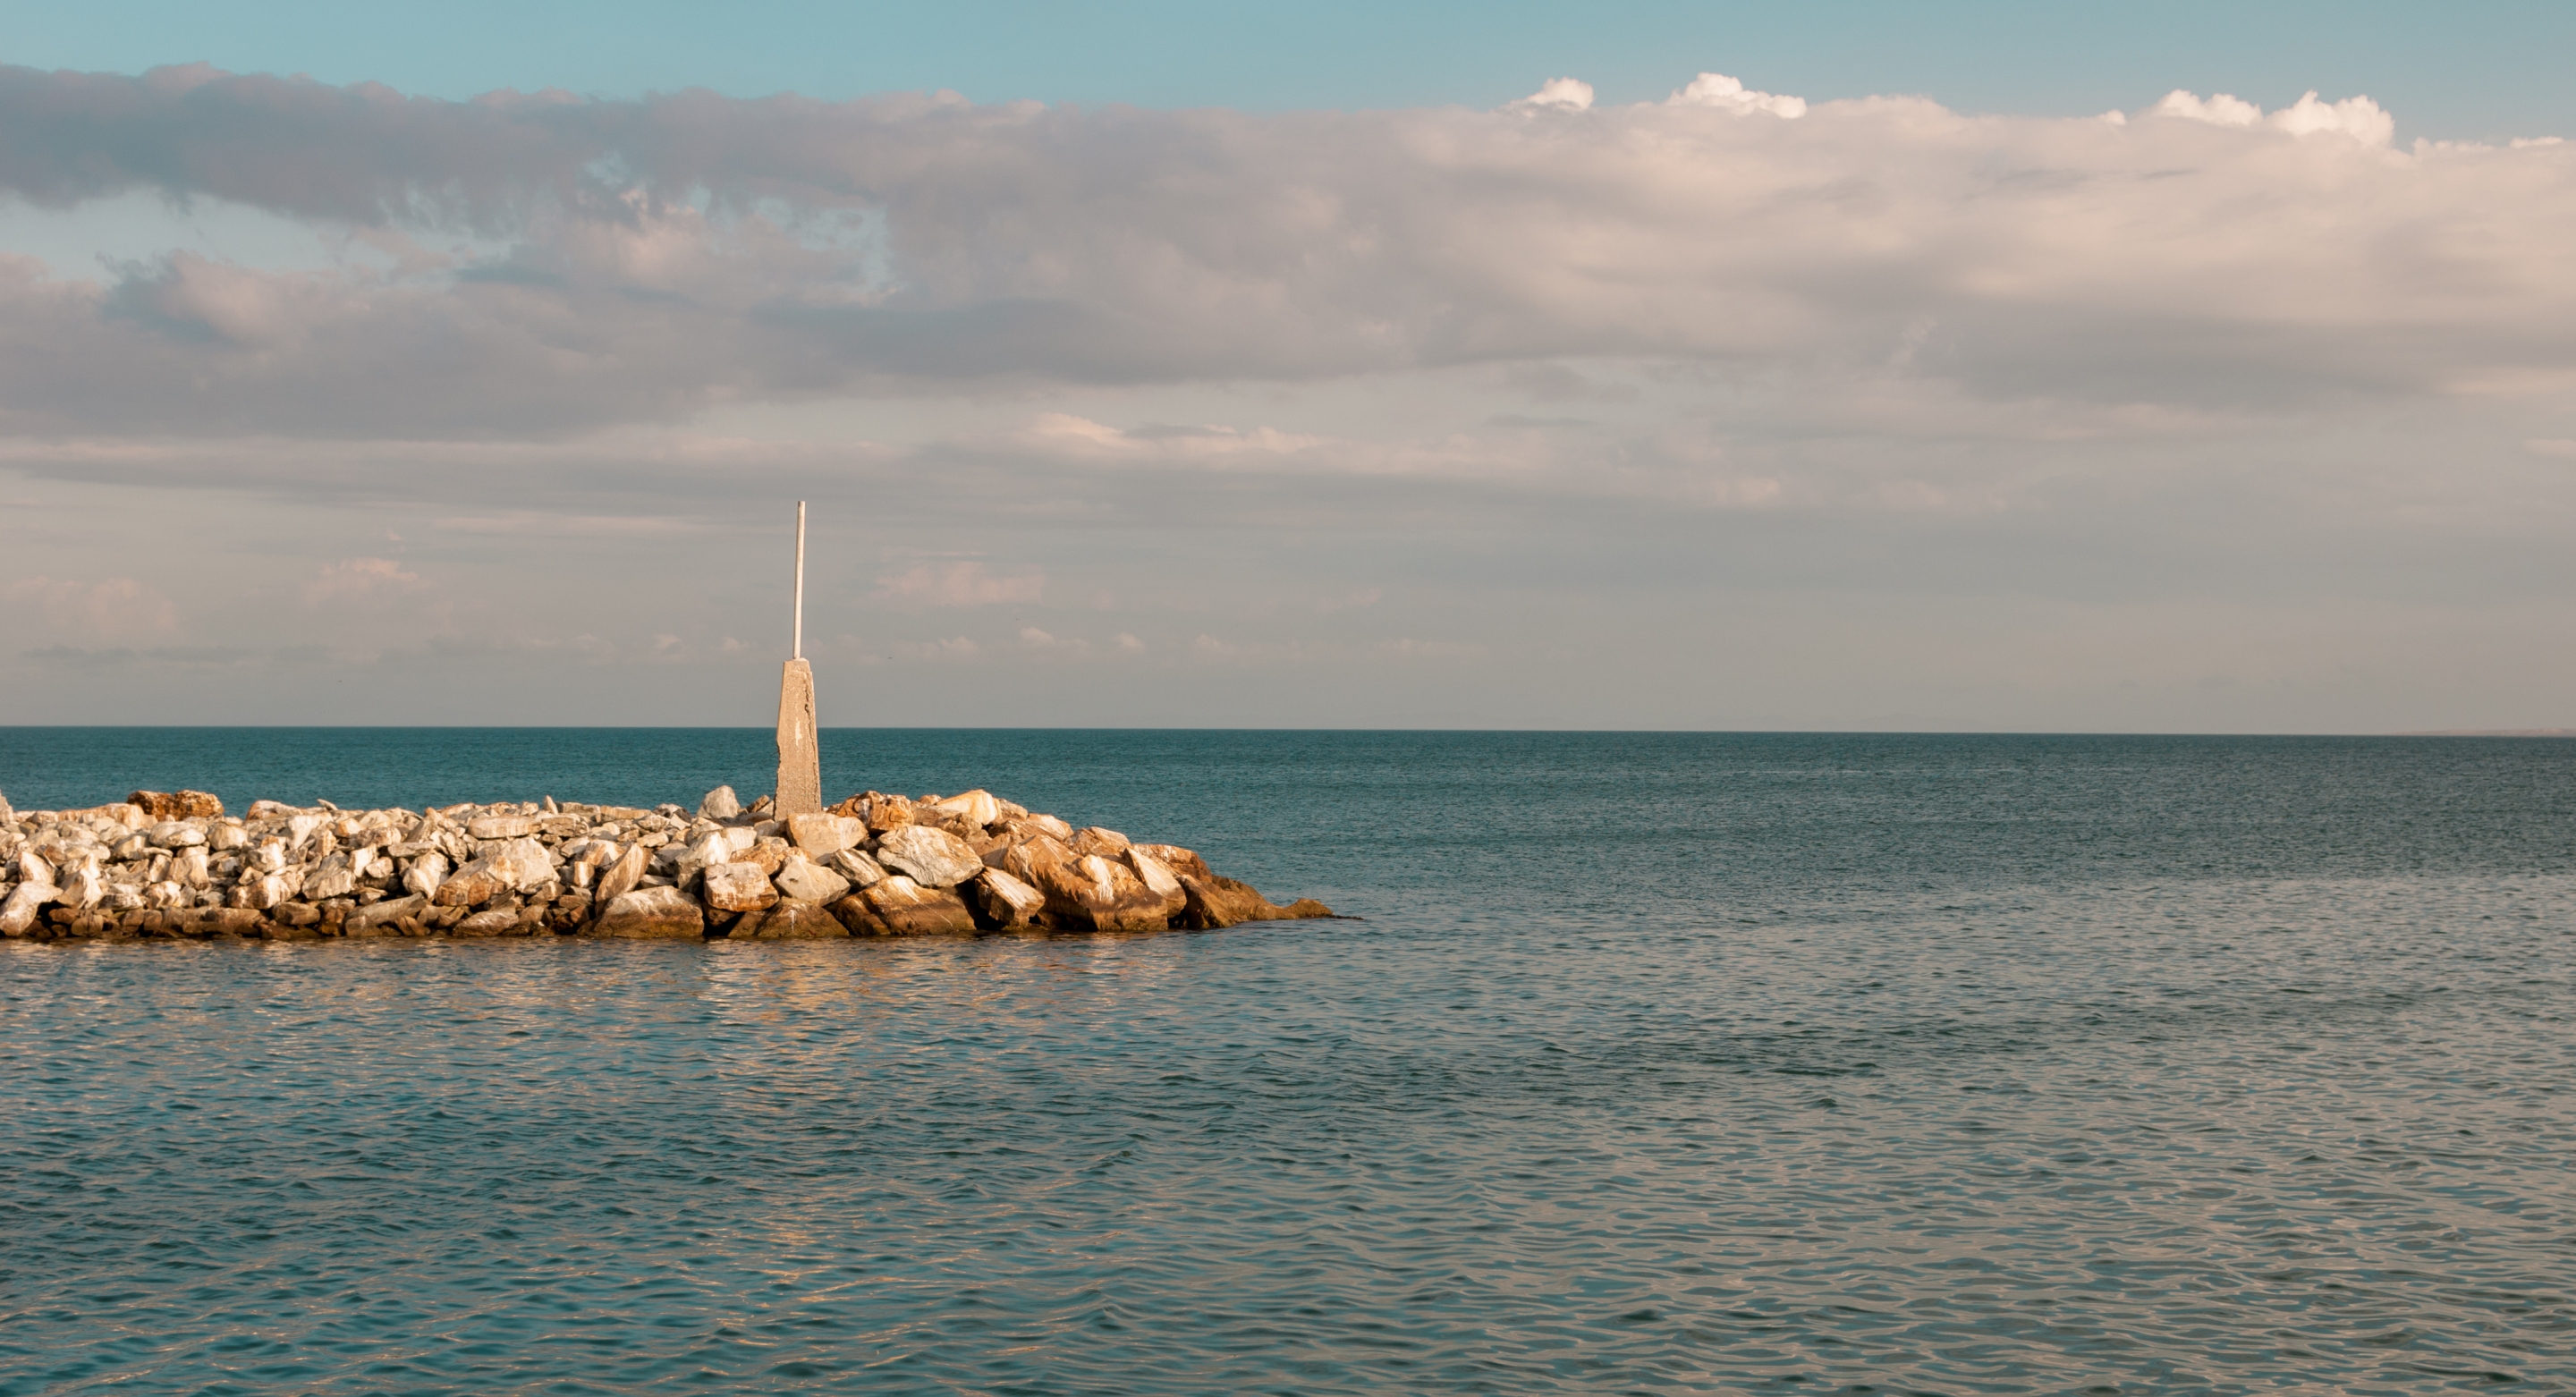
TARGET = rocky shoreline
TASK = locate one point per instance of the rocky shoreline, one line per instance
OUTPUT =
(175, 865)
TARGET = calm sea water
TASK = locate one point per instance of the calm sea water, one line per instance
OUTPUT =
(1660, 1063)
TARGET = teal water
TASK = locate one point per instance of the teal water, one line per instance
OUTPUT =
(1660, 1063)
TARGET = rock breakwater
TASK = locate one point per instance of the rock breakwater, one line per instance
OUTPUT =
(174, 864)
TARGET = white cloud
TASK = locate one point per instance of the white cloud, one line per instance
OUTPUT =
(2357, 117)
(359, 580)
(115, 607)
(1729, 94)
(958, 584)
(1563, 94)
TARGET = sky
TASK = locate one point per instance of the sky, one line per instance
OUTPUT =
(1842, 366)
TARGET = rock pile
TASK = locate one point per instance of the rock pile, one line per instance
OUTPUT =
(175, 865)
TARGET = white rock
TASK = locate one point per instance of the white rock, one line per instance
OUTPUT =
(175, 834)
(32, 868)
(978, 806)
(225, 837)
(525, 863)
(269, 889)
(425, 874)
(933, 857)
(501, 827)
(166, 894)
(861, 870)
(24, 904)
(806, 881)
(824, 834)
(191, 868)
(720, 804)
(738, 887)
(302, 827)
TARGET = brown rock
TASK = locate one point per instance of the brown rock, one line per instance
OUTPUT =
(1214, 902)
(768, 855)
(1157, 879)
(854, 914)
(471, 886)
(1091, 891)
(501, 827)
(1179, 860)
(792, 920)
(739, 887)
(295, 914)
(1001, 902)
(1096, 840)
(179, 805)
(909, 909)
(494, 923)
(366, 920)
(653, 914)
(213, 921)
(887, 812)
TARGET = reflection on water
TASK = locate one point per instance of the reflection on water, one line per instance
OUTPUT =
(1822, 1069)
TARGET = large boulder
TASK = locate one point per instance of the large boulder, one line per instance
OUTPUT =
(497, 922)
(858, 918)
(1213, 902)
(385, 913)
(792, 920)
(738, 887)
(820, 836)
(652, 914)
(501, 827)
(1001, 902)
(1179, 860)
(1096, 840)
(176, 805)
(1092, 891)
(623, 876)
(264, 891)
(720, 804)
(887, 813)
(855, 866)
(1157, 879)
(977, 807)
(802, 879)
(932, 857)
(909, 909)
(25, 903)
(426, 873)
(174, 834)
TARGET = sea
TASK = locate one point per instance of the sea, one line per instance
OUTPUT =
(1642, 1063)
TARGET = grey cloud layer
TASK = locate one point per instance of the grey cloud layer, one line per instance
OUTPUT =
(540, 264)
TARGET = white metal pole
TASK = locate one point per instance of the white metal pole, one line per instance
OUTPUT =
(800, 579)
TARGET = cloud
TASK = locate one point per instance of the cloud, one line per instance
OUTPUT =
(1562, 94)
(958, 584)
(2357, 117)
(1731, 95)
(115, 606)
(359, 580)
(567, 264)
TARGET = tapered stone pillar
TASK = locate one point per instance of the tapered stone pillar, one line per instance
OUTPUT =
(800, 763)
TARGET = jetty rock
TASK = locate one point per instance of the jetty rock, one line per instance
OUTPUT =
(175, 865)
